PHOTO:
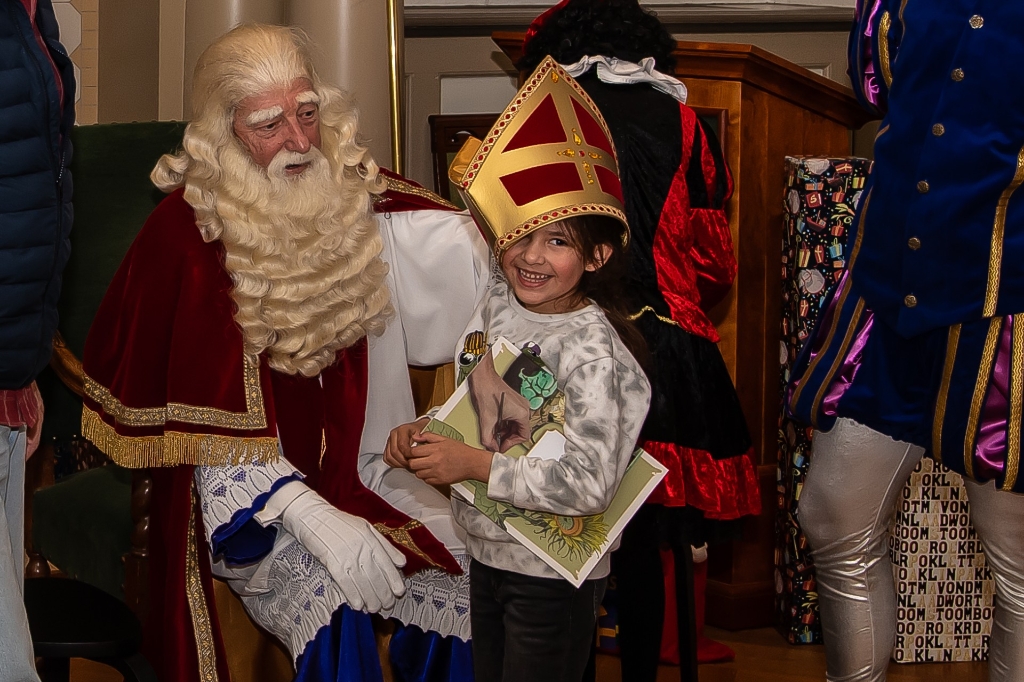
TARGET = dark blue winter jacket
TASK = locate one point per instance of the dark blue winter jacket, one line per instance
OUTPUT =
(35, 187)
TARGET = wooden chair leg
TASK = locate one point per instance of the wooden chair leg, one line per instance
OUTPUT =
(136, 562)
(38, 566)
(38, 474)
(383, 629)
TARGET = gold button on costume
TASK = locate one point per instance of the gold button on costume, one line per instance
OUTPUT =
(910, 300)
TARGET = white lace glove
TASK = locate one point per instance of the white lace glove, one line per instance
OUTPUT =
(362, 563)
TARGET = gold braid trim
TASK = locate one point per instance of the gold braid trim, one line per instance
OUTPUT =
(402, 187)
(173, 447)
(129, 416)
(840, 358)
(538, 221)
(252, 419)
(981, 384)
(952, 341)
(1016, 407)
(402, 536)
(813, 365)
(883, 47)
(649, 309)
(201, 628)
(995, 258)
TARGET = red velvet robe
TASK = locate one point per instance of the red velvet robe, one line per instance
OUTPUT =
(167, 387)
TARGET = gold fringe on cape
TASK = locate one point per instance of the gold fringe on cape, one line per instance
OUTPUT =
(174, 447)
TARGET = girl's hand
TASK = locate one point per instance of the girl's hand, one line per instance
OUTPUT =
(399, 445)
(441, 461)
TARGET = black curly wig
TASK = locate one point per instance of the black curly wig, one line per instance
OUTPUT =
(612, 28)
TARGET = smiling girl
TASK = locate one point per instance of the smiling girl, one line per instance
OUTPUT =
(554, 294)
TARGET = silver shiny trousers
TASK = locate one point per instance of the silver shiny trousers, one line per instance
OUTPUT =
(847, 503)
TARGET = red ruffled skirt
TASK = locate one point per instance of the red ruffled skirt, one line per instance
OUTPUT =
(696, 426)
(724, 489)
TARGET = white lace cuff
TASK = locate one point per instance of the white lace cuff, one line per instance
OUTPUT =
(436, 601)
(292, 596)
(226, 490)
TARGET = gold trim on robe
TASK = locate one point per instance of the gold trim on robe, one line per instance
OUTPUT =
(851, 330)
(402, 187)
(648, 309)
(174, 447)
(995, 259)
(1016, 407)
(988, 356)
(940, 404)
(252, 419)
(884, 24)
(402, 536)
(201, 625)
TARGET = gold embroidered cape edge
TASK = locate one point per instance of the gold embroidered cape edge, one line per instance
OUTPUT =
(173, 447)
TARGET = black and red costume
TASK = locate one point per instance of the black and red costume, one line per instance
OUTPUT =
(675, 185)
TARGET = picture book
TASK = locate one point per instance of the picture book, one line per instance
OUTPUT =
(571, 545)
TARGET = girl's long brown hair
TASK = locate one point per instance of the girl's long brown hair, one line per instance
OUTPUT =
(606, 285)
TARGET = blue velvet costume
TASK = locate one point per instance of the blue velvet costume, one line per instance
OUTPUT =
(918, 342)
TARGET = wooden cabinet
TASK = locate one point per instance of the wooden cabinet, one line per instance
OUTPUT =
(769, 109)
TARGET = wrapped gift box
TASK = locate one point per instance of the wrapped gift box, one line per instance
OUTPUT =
(820, 201)
(944, 592)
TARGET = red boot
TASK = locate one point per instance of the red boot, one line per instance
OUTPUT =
(708, 650)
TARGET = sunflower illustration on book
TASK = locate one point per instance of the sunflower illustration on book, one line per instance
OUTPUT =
(571, 537)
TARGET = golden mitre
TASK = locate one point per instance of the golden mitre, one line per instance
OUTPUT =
(549, 156)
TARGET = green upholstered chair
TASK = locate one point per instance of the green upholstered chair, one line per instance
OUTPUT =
(83, 523)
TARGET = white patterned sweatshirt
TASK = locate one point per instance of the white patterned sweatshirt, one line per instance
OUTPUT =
(606, 401)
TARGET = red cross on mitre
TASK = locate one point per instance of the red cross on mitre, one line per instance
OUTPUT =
(572, 167)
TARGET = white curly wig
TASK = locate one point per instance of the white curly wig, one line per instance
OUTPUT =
(304, 256)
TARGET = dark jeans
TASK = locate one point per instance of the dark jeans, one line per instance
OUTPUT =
(528, 629)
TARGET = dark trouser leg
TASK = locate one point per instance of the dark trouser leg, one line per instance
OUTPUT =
(487, 621)
(590, 672)
(686, 617)
(548, 627)
(641, 597)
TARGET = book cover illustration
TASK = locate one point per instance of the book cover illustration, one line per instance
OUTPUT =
(571, 545)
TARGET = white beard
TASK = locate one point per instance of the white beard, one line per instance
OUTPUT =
(304, 255)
